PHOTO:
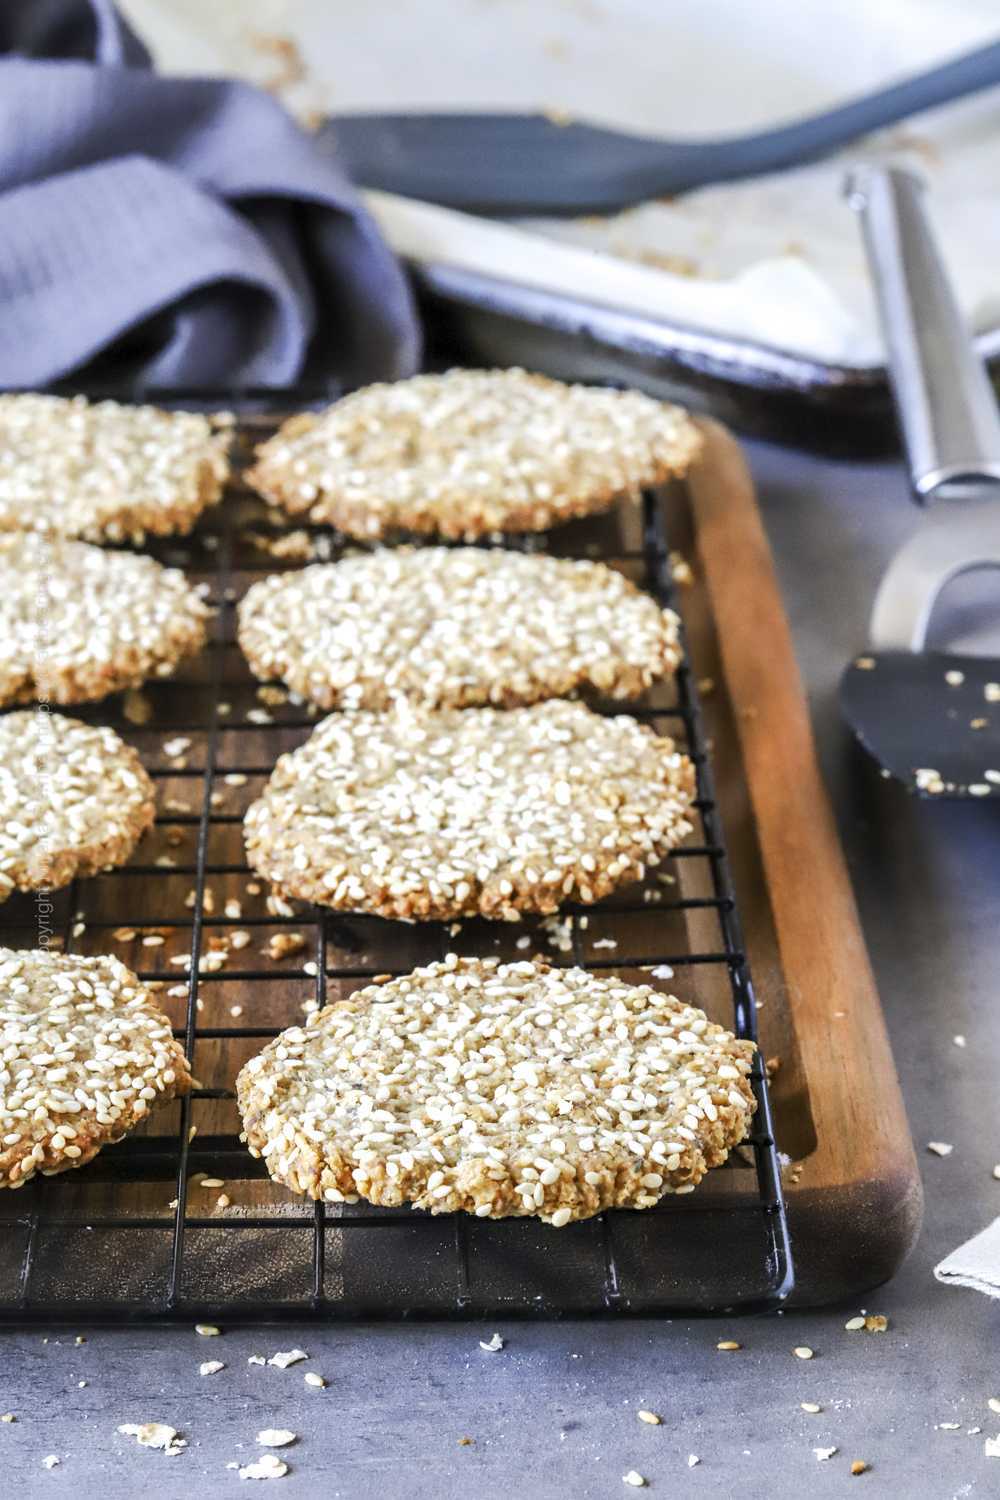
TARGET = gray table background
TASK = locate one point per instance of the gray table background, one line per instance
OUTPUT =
(554, 1414)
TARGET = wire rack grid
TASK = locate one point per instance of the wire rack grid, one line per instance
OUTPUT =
(135, 1235)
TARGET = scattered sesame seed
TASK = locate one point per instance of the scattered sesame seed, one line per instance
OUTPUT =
(650, 1417)
(728, 1344)
(813, 1407)
(50, 1461)
(693, 1460)
(634, 1478)
(954, 678)
(854, 1325)
(317, 1381)
(991, 1447)
(276, 1437)
(802, 1351)
(207, 1330)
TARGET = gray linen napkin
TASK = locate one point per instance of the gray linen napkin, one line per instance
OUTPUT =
(175, 231)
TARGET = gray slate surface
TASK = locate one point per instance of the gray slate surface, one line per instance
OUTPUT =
(554, 1414)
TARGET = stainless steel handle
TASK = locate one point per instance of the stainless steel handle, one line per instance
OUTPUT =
(946, 405)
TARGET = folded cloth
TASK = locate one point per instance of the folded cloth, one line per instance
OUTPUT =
(975, 1264)
(175, 231)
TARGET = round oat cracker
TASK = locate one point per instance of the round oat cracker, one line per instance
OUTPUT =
(77, 622)
(501, 1090)
(471, 452)
(85, 1053)
(105, 471)
(449, 627)
(437, 815)
(76, 799)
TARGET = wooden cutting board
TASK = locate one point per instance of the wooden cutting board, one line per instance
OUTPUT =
(853, 1187)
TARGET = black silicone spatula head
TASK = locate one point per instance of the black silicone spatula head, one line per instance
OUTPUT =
(930, 719)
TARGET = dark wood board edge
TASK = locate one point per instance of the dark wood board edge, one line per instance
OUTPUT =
(856, 1209)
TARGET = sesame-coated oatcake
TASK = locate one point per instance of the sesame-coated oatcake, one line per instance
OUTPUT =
(449, 627)
(106, 472)
(85, 1053)
(74, 799)
(514, 1089)
(436, 815)
(78, 622)
(471, 452)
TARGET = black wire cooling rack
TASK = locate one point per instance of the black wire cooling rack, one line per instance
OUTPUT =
(136, 1234)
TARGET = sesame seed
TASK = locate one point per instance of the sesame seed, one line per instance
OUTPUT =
(634, 1478)
(649, 1417)
(802, 1351)
(207, 1330)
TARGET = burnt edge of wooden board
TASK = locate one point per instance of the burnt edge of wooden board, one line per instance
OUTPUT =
(856, 1210)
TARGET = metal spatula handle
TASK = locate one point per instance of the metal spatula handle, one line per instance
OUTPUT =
(946, 405)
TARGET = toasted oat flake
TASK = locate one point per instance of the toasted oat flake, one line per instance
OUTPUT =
(991, 692)
(471, 452)
(492, 1345)
(823, 1454)
(276, 1437)
(728, 1344)
(268, 1466)
(991, 1447)
(859, 1466)
(940, 1148)
(693, 1460)
(876, 1323)
(994, 1403)
(444, 815)
(454, 627)
(457, 1063)
(8, 1416)
(865, 663)
(50, 1461)
(211, 1367)
(154, 1435)
(286, 1357)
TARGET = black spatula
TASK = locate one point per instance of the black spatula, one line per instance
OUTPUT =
(930, 718)
(490, 163)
